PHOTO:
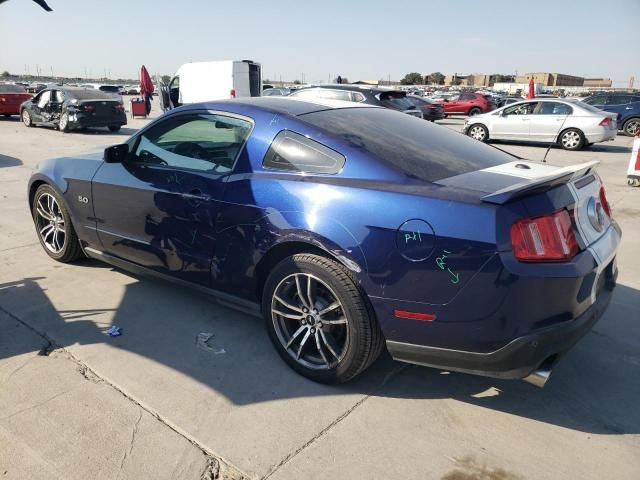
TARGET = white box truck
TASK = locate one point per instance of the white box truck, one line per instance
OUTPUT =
(208, 81)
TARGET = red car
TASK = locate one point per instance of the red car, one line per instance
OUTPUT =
(466, 103)
(11, 97)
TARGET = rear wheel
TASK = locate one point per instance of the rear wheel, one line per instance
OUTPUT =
(478, 132)
(631, 127)
(63, 125)
(318, 319)
(114, 128)
(475, 111)
(571, 139)
(26, 118)
(53, 226)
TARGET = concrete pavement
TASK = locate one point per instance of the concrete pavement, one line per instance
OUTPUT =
(73, 413)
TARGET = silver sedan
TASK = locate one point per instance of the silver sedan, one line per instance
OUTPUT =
(569, 123)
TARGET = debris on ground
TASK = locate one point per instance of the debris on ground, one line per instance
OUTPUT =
(114, 331)
(203, 341)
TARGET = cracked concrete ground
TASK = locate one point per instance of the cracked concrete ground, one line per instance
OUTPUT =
(76, 403)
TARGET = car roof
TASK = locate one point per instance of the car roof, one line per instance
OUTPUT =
(286, 105)
(352, 88)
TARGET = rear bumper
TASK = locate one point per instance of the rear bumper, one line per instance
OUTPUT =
(521, 356)
(81, 120)
(603, 136)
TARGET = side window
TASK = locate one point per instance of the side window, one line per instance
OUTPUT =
(454, 97)
(293, 152)
(467, 96)
(618, 99)
(44, 98)
(522, 109)
(553, 108)
(58, 96)
(198, 141)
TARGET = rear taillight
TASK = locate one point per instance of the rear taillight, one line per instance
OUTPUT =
(87, 108)
(547, 238)
(605, 121)
(232, 93)
(118, 106)
(604, 202)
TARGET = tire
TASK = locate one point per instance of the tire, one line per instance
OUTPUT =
(26, 118)
(474, 111)
(631, 127)
(114, 128)
(633, 182)
(479, 132)
(53, 226)
(6, 115)
(63, 124)
(571, 139)
(329, 348)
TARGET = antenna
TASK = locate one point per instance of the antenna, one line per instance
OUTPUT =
(555, 138)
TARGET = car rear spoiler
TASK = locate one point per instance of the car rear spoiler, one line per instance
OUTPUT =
(560, 176)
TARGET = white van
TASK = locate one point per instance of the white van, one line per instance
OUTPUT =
(208, 81)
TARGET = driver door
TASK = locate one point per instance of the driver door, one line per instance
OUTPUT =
(158, 208)
(39, 106)
(513, 123)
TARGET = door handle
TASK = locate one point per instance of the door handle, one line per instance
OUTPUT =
(196, 196)
(628, 108)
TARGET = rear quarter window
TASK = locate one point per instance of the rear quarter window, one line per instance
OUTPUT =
(417, 148)
(292, 152)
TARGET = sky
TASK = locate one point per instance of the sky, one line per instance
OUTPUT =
(358, 39)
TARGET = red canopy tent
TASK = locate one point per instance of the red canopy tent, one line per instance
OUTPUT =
(532, 89)
(146, 87)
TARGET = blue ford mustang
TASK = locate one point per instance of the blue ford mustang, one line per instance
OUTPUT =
(350, 229)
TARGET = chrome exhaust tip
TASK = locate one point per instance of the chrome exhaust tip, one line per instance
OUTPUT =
(539, 377)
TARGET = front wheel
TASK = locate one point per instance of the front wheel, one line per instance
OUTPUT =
(478, 132)
(631, 127)
(53, 226)
(318, 319)
(474, 111)
(114, 128)
(572, 139)
(26, 118)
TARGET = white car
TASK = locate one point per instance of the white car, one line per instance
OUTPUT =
(569, 123)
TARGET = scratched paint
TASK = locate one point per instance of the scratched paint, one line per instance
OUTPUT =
(441, 261)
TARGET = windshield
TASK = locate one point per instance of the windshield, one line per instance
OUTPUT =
(417, 148)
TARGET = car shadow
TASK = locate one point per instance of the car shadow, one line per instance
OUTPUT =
(7, 161)
(594, 389)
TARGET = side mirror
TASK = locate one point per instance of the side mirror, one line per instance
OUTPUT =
(116, 153)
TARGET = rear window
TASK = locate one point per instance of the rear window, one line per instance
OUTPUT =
(588, 107)
(9, 88)
(396, 100)
(419, 149)
(88, 94)
(110, 88)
